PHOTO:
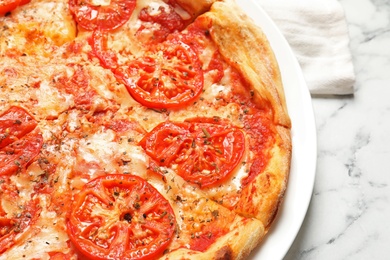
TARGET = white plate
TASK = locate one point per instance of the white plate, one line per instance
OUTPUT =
(303, 167)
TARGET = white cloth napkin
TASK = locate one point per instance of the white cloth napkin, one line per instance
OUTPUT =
(317, 33)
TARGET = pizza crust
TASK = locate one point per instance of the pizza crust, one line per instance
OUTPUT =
(254, 59)
(245, 47)
(244, 236)
(244, 233)
(263, 196)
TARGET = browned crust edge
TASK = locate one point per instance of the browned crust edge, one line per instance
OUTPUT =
(243, 44)
(245, 47)
(262, 198)
(244, 236)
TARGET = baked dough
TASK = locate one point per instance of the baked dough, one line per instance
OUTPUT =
(89, 125)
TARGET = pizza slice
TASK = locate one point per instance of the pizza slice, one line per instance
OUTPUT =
(126, 217)
(246, 49)
(147, 23)
(162, 132)
(94, 196)
(233, 141)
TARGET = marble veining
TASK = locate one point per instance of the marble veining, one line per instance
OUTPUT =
(349, 214)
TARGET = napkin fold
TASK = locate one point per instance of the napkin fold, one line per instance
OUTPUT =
(317, 33)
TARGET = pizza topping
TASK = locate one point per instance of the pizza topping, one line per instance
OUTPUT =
(121, 105)
(121, 217)
(200, 220)
(215, 68)
(197, 36)
(7, 6)
(203, 151)
(79, 87)
(14, 124)
(19, 144)
(17, 156)
(166, 17)
(82, 90)
(258, 125)
(108, 58)
(168, 77)
(100, 14)
(260, 132)
(13, 225)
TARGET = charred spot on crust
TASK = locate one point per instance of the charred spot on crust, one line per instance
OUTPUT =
(225, 253)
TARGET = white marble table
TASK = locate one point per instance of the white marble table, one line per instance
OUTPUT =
(349, 214)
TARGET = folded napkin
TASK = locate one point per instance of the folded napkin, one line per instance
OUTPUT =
(317, 33)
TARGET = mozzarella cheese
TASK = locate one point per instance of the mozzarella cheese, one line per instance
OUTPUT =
(52, 102)
(78, 149)
(35, 27)
(45, 236)
(102, 148)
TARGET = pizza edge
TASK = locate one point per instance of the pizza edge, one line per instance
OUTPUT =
(266, 192)
(244, 45)
(233, 246)
(243, 236)
(238, 243)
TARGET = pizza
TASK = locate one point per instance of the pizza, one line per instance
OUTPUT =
(138, 129)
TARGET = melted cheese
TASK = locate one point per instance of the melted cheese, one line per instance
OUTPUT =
(37, 28)
(102, 149)
(125, 40)
(154, 8)
(128, 40)
(52, 102)
(183, 13)
(228, 193)
(196, 215)
(208, 103)
(79, 150)
(46, 236)
(51, 17)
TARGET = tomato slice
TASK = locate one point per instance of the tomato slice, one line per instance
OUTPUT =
(202, 151)
(15, 123)
(17, 156)
(8, 5)
(23, 2)
(121, 217)
(166, 17)
(11, 227)
(169, 77)
(108, 58)
(19, 143)
(90, 15)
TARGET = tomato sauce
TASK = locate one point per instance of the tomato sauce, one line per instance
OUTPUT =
(257, 120)
(207, 238)
(12, 228)
(195, 36)
(198, 37)
(124, 125)
(79, 86)
(216, 66)
(168, 20)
